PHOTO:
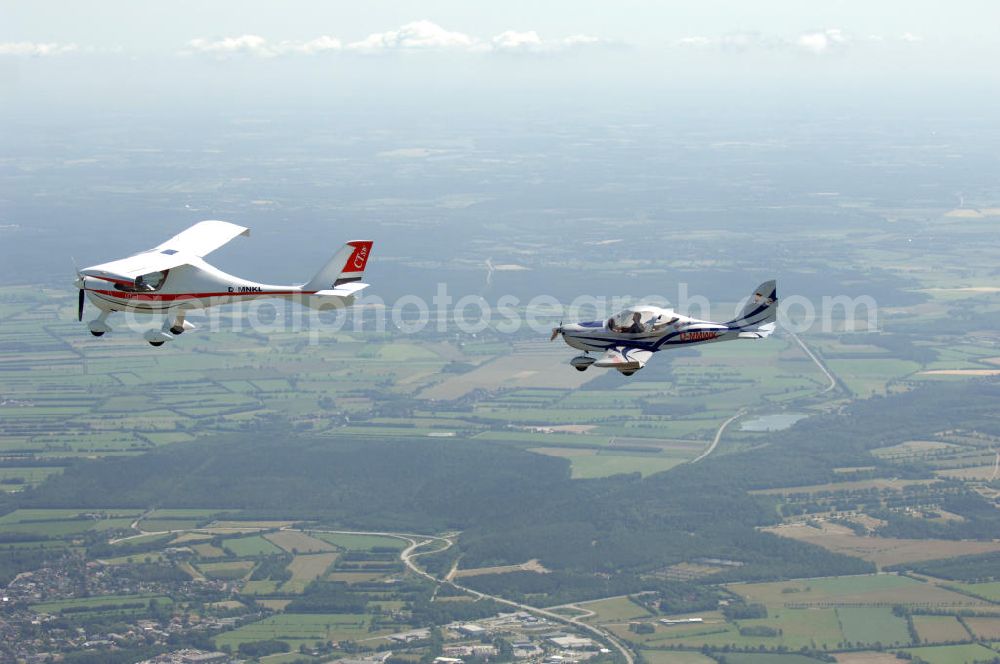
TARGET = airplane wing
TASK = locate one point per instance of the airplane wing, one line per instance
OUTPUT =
(183, 248)
(624, 358)
(203, 238)
(762, 332)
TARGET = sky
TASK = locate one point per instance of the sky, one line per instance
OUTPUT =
(60, 55)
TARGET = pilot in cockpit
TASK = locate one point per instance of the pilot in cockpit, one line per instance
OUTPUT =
(142, 285)
(636, 327)
(621, 324)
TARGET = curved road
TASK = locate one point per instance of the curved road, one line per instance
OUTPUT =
(718, 435)
(418, 541)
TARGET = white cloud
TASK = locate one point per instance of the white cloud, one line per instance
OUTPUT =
(733, 41)
(419, 35)
(741, 41)
(699, 41)
(822, 41)
(413, 37)
(322, 44)
(512, 40)
(584, 40)
(815, 42)
(257, 46)
(244, 44)
(36, 49)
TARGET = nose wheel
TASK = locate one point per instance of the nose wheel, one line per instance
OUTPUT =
(99, 326)
(156, 344)
(582, 362)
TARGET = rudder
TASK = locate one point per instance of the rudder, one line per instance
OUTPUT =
(346, 266)
(761, 307)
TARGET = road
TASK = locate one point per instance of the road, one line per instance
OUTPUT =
(718, 435)
(819, 363)
(412, 552)
(415, 542)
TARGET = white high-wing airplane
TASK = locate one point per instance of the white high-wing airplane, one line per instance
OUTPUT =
(172, 279)
(630, 338)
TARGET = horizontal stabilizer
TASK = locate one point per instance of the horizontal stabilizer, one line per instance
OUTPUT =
(343, 290)
(762, 332)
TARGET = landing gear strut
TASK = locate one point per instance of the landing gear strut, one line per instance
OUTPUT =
(180, 325)
(99, 326)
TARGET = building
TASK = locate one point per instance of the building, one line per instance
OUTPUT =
(571, 642)
(205, 658)
(414, 635)
(472, 629)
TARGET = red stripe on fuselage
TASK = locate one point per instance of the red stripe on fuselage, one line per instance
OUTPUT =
(168, 297)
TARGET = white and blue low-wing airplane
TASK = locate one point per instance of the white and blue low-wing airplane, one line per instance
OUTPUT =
(630, 338)
(172, 279)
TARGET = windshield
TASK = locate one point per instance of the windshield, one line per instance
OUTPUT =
(633, 321)
(630, 321)
(144, 283)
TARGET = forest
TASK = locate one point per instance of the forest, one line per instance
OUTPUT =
(512, 505)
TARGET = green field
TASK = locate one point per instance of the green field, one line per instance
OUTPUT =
(873, 626)
(616, 609)
(250, 546)
(54, 528)
(101, 600)
(227, 570)
(166, 525)
(868, 588)
(769, 658)
(988, 591)
(675, 657)
(965, 654)
(353, 542)
(295, 629)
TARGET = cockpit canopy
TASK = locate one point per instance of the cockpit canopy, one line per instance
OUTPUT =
(638, 321)
(145, 283)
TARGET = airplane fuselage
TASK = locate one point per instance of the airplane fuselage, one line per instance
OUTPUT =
(185, 287)
(597, 335)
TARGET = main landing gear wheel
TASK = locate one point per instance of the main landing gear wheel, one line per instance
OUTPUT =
(156, 344)
(582, 368)
(97, 334)
(627, 373)
(177, 330)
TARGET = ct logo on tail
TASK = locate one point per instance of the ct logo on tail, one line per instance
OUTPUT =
(359, 257)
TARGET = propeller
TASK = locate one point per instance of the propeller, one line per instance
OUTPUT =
(556, 331)
(79, 282)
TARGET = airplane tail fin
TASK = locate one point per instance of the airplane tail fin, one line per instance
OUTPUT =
(346, 266)
(761, 307)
